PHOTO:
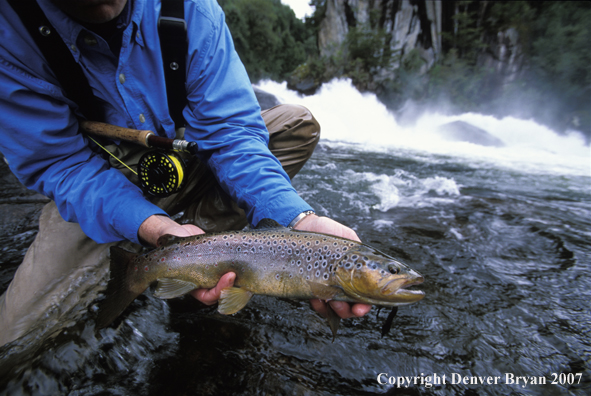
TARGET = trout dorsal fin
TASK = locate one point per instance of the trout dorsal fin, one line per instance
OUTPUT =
(172, 288)
(269, 224)
(233, 299)
(166, 240)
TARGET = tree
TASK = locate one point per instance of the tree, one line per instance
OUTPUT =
(269, 39)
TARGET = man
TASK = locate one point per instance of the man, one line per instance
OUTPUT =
(238, 180)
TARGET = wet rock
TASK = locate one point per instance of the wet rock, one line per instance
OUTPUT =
(305, 85)
(461, 131)
(266, 100)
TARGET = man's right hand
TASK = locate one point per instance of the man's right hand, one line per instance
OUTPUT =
(156, 226)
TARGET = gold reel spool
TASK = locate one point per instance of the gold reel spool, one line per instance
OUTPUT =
(161, 174)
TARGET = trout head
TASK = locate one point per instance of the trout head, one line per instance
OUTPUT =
(374, 278)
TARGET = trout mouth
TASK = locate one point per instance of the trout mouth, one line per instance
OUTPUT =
(397, 291)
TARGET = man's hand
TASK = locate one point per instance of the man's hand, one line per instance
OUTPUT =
(328, 226)
(156, 226)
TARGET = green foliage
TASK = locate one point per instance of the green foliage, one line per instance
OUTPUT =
(269, 38)
(364, 57)
(466, 37)
(458, 80)
(560, 59)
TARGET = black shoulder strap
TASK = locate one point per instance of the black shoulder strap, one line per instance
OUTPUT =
(68, 72)
(172, 30)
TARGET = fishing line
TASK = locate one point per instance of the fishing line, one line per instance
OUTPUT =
(112, 155)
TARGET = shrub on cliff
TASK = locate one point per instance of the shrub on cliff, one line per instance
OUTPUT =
(269, 39)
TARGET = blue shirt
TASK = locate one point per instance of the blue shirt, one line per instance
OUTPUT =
(39, 126)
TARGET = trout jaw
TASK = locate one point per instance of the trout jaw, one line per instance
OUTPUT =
(374, 288)
(396, 288)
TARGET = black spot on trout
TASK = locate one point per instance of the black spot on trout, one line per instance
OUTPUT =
(382, 280)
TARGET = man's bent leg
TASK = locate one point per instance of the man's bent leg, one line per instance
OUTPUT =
(293, 135)
(62, 266)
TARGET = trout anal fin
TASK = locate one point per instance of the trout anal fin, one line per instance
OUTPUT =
(233, 299)
(172, 288)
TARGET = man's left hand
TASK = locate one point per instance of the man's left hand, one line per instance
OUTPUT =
(325, 225)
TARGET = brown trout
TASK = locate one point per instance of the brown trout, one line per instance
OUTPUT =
(271, 260)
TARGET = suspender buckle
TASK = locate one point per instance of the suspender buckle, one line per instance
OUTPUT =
(173, 26)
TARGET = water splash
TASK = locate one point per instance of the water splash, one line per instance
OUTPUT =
(350, 117)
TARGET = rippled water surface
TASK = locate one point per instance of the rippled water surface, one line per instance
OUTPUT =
(505, 252)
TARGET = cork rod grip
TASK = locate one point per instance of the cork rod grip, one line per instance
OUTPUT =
(114, 132)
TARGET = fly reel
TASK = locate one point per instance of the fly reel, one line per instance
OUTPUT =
(161, 173)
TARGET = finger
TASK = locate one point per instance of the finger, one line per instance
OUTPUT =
(320, 307)
(193, 229)
(211, 296)
(342, 309)
(346, 310)
(360, 310)
(350, 234)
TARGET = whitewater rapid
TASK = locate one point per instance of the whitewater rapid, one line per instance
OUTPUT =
(361, 120)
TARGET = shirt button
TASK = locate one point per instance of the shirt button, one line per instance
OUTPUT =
(142, 118)
(121, 78)
(73, 48)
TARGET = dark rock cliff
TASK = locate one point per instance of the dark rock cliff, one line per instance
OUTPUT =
(416, 25)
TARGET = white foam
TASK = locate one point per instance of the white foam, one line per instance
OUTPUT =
(350, 117)
(401, 189)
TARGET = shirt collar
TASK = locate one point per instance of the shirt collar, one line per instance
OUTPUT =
(69, 29)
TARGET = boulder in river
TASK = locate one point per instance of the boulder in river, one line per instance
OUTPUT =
(461, 131)
(266, 100)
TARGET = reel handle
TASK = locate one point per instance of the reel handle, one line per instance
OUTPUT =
(116, 132)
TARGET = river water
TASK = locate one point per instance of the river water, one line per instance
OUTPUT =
(501, 234)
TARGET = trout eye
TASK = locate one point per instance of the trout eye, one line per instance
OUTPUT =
(393, 270)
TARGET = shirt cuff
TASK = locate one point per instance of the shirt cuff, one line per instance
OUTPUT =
(132, 217)
(283, 209)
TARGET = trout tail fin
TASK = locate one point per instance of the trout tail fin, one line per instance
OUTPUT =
(118, 294)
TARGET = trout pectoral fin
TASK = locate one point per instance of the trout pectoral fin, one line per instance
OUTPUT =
(171, 288)
(233, 299)
(323, 292)
(388, 323)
